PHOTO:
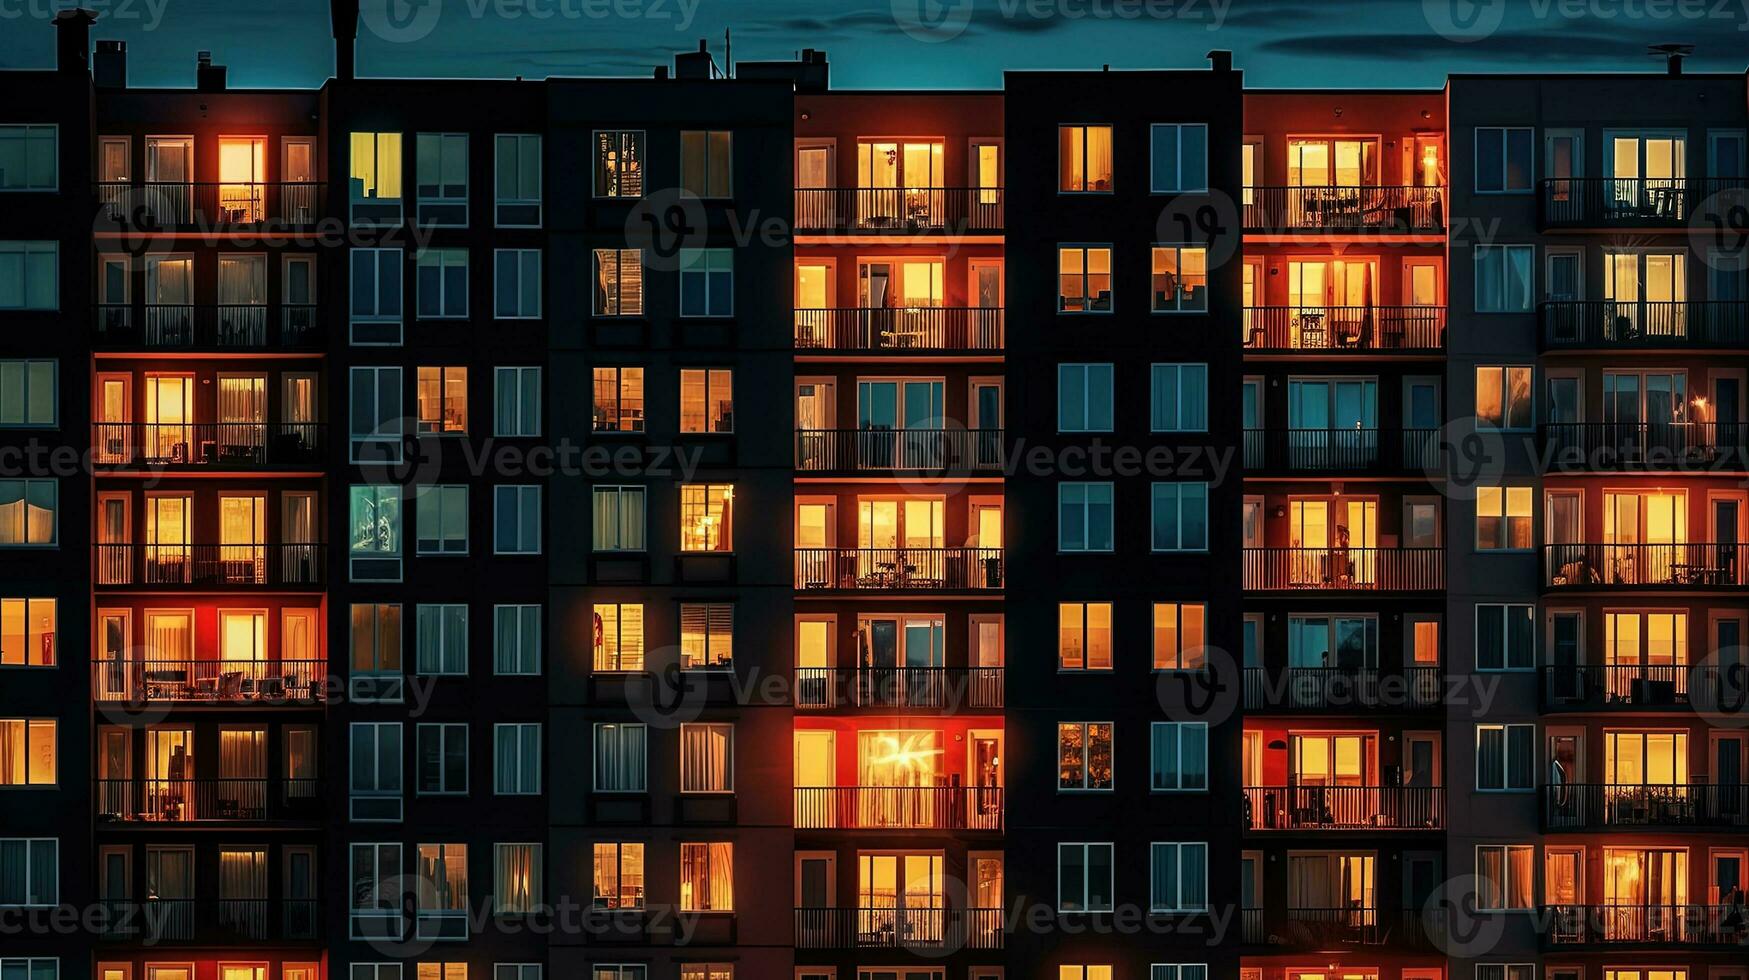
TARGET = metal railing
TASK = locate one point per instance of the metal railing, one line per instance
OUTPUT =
(899, 928)
(1344, 807)
(898, 209)
(198, 800)
(1345, 329)
(251, 682)
(1714, 687)
(1608, 323)
(1411, 450)
(209, 565)
(1342, 688)
(898, 569)
(1369, 208)
(214, 444)
(218, 326)
(176, 205)
(886, 450)
(899, 687)
(899, 807)
(1601, 806)
(159, 920)
(1580, 446)
(1652, 925)
(1626, 202)
(1688, 565)
(1319, 928)
(901, 330)
(1345, 569)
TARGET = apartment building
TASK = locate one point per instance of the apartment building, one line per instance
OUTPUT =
(1117, 525)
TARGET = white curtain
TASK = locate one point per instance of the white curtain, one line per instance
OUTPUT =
(243, 753)
(168, 637)
(705, 755)
(707, 876)
(242, 280)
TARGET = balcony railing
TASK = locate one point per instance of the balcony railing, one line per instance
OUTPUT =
(219, 445)
(210, 682)
(1607, 806)
(208, 326)
(1345, 569)
(217, 921)
(898, 569)
(878, 209)
(1342, 689)
(1370, 208)
(180, 801)
(899, 928)
(1712, 687)
(1342, 450)
(1345, 329)
(1648, 925)
(209, 565)
(1688, 565)
(182, 205)
(1608, 323)
(1583, 446)
(899, 687)
(900, 330)
(899, 807)
(1321, 928)
(1626, 202)
(1344, 807)
(901, 450)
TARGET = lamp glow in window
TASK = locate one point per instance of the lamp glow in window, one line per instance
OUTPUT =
(619, 636)
(898, 773)
(707, 517)
(707, 877)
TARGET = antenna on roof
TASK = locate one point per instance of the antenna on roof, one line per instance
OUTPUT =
(1672, 54)
(728, 55)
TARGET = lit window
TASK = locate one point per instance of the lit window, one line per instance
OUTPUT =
(1084, 972)
(1180, 279)
(619, 518)
(1178, 971)
(1503, 877)
(1084, 755)
(708, 971)
(443, 883)
(707, 400)
(29, 513)
(516, 878)
(618, 875)
(619, 399)
(376, 177)
(376, 639)
(1084, 636)
(619, 282)
(619, 636)
(1503, 397)
(704, 162)
(1084, 159)
(707, 635)
(27, 632)
(1179, 635)
(1527, 971)
(707, 282)
(707, 758)
(1503, 518)
(442, 283)
(443, 400)
(27, 393)
(27, 751)
(707, 517)
(376, 520)
(30, 276)
(1083, 279)
(619, 163)
(707, 877)
(1179, 158)
(29, 161)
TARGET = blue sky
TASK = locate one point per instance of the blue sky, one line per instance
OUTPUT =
(903, 43)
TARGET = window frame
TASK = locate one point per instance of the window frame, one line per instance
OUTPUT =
(1505, 250)
(1088, 371)
(443, 611)
(444, 732)
(25, 486)
(1505, 167)
(620, 491)
(1154, 518)
(25, 369)
(522, 258)
(1179, 308)
(443, 494)
(519, 729)
(499, 202)
(441, 257)
(1084, 189)
(527, 428)
(520, 493)
(599, 177)
(1154, 149)
(441, 199)
(1086, 730)
(24, 130)
(1179, 847)
(521, 655)
(1154, 770)
(1506, 729)
(25, 248)
(1085, 248)
(1110, 503)
(1110, 883)
(1178, 370)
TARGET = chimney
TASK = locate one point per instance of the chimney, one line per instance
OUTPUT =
(208, 77)
(73, 44)
(1221, 60)
(695, 64)
(109, 66)
(343, 14)
(1673, 55)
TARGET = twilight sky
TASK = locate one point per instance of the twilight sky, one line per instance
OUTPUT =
(902, 43)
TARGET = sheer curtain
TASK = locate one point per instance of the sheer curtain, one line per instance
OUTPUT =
(168, 637)
(519, 877)
(707, 876)
(619, 758)
(706, 754)
(242, 875)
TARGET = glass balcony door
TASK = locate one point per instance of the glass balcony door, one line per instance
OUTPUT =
(169, 172)
(1646, 535)
(1643, 889)
(169, 300)
(895, 770)
(899, 183)
(900, 899)
(1646, 294)
(242, 178)
(243, 538)
(1333, 422)
(169, 774)
(1646, 174)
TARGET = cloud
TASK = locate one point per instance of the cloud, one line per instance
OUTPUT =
(1514, 47)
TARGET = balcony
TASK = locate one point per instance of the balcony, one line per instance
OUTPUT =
(1345, 329)
(1364, 209)
(1626, 202)
(898, 209)
(1367, 808)
(1612, 806)
(1611, 446)
(898, 808)
(223, 921)
(216, 683)
(209, 445)
(898, 569)
(1688, 565)
(1640, 687)
(1311, 929)
(1343, 690)
(205, 566)
(1345, 569)
(891, 451)
(901, 330)
(157, 205)
(1644, 925)
(1607, 324)
(1340, 451)
(939, 929)
(191, 801)
(206, 327)
(950, 688)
